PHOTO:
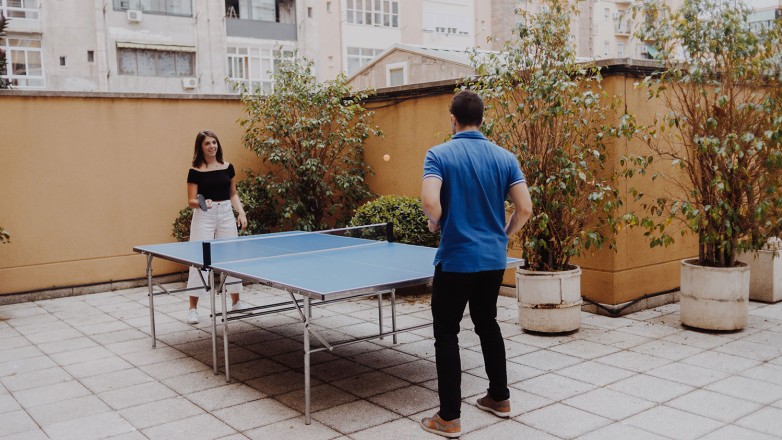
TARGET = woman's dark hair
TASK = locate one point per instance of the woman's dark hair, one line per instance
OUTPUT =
(467, 108)
(198, 154)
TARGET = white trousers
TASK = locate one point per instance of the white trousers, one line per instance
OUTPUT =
(217, 222)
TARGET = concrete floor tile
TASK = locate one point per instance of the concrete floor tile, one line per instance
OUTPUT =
(81, 355)
(52, 348)
(122, 336)
(354, 416)
(54, 335)
(400, 429)
(16, 422)
(280, 383)
(21, 353)
(677, 424)
(630, 360)
(136, 395)
(546, 360)
(767, 420)
(160, 412)
(14, 342)
(515, 372)
(408, 400)
(507, 429)
(96, 367)
(132, 346)
(115, 380)
(423, 348)
(65, 410)
(619, 431)
(606, 322)
(714, 405)
(322, 396)
(294, 428)
(34, 379)
(751, 350)
(649, 329)
(152, 355)
(687, 374)
(661, 348)
(554, 387)
(175, 367)
(696, 339)
(721, 361)
(616, 339)
(89, 428)
(595, 373)
(196, 381)
(415, 372)
(26, 365)
(370, 384)
(200, 427)
(250, 415)
(650, 388)
(520, 401)
(609, 404)
(732, 432)
(57, 392)
(563, 421)
(748, 389)
(766, 372)
(35, 434)
(225, 396)
(338, 369)
(8, 403)
(383, 358)
(584, 349)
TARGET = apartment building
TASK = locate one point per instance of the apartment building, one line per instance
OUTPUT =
(216, 46)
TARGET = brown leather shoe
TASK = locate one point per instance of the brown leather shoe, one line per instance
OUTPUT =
(436, 425)
(500, 409)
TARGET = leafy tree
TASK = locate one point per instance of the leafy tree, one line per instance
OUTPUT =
(721, 81)
(407, 214)
(311, 134)
(4, 84)
(553, 113)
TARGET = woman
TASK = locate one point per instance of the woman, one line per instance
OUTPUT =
(216, 181)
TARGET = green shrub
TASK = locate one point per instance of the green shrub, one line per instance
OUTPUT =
(410, 224)
(5, 237)
(261, 209)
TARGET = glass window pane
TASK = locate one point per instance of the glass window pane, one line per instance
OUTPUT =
(127, 61)
(350, 4)
(185, 64)
(145, 60)
(166, 64)
(350, 16)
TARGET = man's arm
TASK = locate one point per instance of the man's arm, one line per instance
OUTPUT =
(430, 200)
(522, 202)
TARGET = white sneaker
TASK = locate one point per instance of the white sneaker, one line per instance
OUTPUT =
(239, 305)
(192, 316)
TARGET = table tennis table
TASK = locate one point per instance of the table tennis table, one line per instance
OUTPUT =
(314, 268)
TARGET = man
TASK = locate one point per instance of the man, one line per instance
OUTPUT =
(465, 185)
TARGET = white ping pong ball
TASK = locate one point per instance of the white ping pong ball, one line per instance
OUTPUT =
(386, 157)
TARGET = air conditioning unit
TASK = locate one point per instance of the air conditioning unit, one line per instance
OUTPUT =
(189, 83)
(134, 16)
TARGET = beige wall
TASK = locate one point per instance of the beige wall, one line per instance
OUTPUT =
(87, 177)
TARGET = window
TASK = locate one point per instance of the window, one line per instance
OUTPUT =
(20, 8)
(25, 61)
(254, 67)
(309, 12)
(396, 74)
(620, 50)
(383, 13)
(359, 57)
(62, 61)
(182, 8)
(151, 62)
(606, 13)
(90, 56)
(606, 48)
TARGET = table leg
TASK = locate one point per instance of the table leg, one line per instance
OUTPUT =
(393, 312)
(223, 291)
(307, 396)
(214, 321)
(380, 311)
(151, 301)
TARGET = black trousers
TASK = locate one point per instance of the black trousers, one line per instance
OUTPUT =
(451, 292)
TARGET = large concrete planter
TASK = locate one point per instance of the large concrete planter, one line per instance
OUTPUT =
(714, 298)
(549, 302)
(765, 275)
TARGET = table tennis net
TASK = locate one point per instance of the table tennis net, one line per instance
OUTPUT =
(293, 242)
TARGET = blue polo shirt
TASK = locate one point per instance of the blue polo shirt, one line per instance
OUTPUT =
(476, 176)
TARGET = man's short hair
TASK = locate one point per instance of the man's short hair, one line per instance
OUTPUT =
(467, 107)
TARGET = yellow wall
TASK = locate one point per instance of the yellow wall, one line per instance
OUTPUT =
(86, 177)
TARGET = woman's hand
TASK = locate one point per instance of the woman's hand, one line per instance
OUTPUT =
(241, 221)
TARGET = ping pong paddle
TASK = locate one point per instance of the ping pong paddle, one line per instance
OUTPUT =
(202, 202)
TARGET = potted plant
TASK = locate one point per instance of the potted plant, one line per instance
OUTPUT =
(765, 273)
(720, 80)
(553, 113)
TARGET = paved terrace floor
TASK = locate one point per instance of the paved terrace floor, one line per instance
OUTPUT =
(83, 368)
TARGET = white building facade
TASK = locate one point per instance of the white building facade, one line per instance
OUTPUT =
(218, 46)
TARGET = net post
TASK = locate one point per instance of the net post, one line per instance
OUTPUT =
(390, 232)
(207, 249)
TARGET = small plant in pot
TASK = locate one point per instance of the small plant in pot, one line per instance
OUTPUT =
(721, 82)
(553, 113)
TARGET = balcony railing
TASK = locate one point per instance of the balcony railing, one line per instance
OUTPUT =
(264, 30)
